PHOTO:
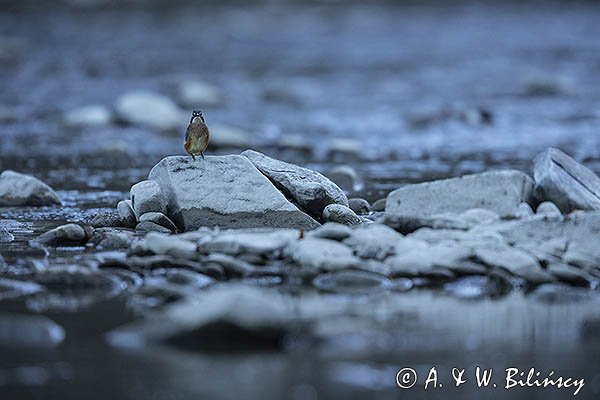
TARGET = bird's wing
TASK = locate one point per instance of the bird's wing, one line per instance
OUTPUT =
(187, 133)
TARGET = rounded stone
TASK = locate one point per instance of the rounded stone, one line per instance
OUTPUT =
(126, 213)
(341, 214)
(359, 206)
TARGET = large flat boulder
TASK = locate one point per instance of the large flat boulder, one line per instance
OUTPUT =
(309, 189)
(565, 182)
(226, 191)
(498, 191)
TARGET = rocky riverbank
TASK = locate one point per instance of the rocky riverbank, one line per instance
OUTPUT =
(251, 218)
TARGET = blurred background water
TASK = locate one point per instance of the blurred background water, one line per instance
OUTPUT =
(401, 91)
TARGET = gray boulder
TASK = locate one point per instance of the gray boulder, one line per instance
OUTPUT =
(24, 190)
(225, 191)
(568, 184)
(498, 191)
(147, 196)
(308, 189)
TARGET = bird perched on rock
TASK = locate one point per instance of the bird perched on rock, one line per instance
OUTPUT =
(197, 135)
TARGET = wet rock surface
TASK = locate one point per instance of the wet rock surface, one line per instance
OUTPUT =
(308, 189)
(196, 193)
(498, 191)
(565, 182)
(18, 189)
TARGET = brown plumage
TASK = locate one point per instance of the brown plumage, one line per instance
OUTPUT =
(196, 136)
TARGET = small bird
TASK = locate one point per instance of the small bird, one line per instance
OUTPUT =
(196, 135)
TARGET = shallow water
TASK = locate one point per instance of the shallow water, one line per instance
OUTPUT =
(393, 78)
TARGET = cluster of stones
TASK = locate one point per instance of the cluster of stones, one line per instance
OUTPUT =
(250, 217)
(236, 191)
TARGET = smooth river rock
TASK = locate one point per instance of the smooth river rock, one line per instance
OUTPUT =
(497, 191)
(323, 254)
(147, 196)
(65, 234)
(18, 189)
(565, 182)
(226, 191)
(126, 214)
(341, 214)
(151, 110)
(308, 189)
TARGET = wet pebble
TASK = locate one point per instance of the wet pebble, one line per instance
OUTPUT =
(126, 214)
(159, 219)
(162, 244)
(142, 263)
(379, 205)
(110, 239)
(359, 206)
(341, 214)
(351, 281)
(375, 241)
(69, 234)
(323, 254)
(147, 226)
(105, 220)
(332, 230)
(146, 196)
(234, 267)
(252, 241)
